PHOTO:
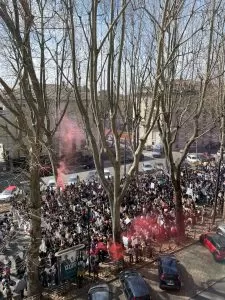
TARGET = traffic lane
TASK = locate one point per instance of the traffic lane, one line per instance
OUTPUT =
(215, 291)
(83, 175)
(198, 270)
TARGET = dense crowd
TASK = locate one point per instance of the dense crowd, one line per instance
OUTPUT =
(80, 211)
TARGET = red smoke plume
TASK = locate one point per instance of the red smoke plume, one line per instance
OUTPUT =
(70, 137)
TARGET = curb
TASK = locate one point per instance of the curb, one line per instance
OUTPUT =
(140, 267)
(155, 259)
(206, 288)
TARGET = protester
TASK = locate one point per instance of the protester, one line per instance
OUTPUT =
(80, 211)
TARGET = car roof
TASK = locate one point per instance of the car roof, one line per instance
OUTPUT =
(169, 264)
(73, 177)
(51, 181)
(10, 188)
(136, 283)
(99, 292)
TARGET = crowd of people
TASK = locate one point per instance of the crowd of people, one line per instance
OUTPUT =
(80, 214)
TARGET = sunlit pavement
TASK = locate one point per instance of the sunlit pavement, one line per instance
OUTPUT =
(198, 271)
(216, 291)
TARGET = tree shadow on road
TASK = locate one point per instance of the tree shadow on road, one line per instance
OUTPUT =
(188, 288)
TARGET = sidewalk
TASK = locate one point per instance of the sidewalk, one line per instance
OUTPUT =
(107, 272)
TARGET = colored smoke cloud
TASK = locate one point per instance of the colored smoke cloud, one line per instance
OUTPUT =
(70, 138)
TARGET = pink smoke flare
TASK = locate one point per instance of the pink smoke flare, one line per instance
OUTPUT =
(60, 173)
(70, 138)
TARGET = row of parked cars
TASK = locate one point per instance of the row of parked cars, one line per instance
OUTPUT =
(134, 285)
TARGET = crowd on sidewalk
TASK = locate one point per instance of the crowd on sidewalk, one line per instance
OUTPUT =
(147, 213)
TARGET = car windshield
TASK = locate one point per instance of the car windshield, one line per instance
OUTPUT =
(51, 184)
(147, 166)
(169, 266)
(6, 192)
(100, 295)
(73, 179)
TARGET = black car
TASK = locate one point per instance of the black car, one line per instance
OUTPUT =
(100, 292)
(134, 286)
(169, 277)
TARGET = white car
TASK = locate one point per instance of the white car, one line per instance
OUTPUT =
(221, 229)
(72, 180)
(8, 193)
(148, 168)
(192, 159)
(107, 174)
(52, 184)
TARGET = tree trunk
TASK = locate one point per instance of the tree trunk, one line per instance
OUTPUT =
(175, 178)
(116, 230)
(35, 235)
(54, 163)
(179, 210)
(115, 205)
(224, 207)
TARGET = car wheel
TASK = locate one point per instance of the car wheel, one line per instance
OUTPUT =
(214, 256)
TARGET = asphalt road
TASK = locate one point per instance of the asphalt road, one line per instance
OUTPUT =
(84, 174)
(9, 178)
(198, 270)
(216, 292)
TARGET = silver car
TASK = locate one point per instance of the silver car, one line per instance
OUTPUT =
(221, 229)
(100, 292)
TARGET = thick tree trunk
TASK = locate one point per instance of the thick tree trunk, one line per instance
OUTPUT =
(175, 178)
(116, 230)
(115, 206)
(223, 207)
(35, 235)
(53, 158)
(179, 210)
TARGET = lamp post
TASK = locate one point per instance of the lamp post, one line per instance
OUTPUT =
(89, 239)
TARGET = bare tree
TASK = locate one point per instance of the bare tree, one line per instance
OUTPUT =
(105, 47)
(182, 101)
(27, 40)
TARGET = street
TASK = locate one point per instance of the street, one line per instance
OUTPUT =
(216, 291)
(84, 174)
(198, 270)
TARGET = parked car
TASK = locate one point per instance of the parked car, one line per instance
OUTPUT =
(100, 292)
(46, 170)
(134, 286)
(9, 193)
(52, 184)
(193, 159)
(157, 151)
(92, 175)
(107, 174)
(148, 168)
(169, 276)
(73, 179)
(221, 229)
(88, 162)
(159, 166)
(215, 243)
